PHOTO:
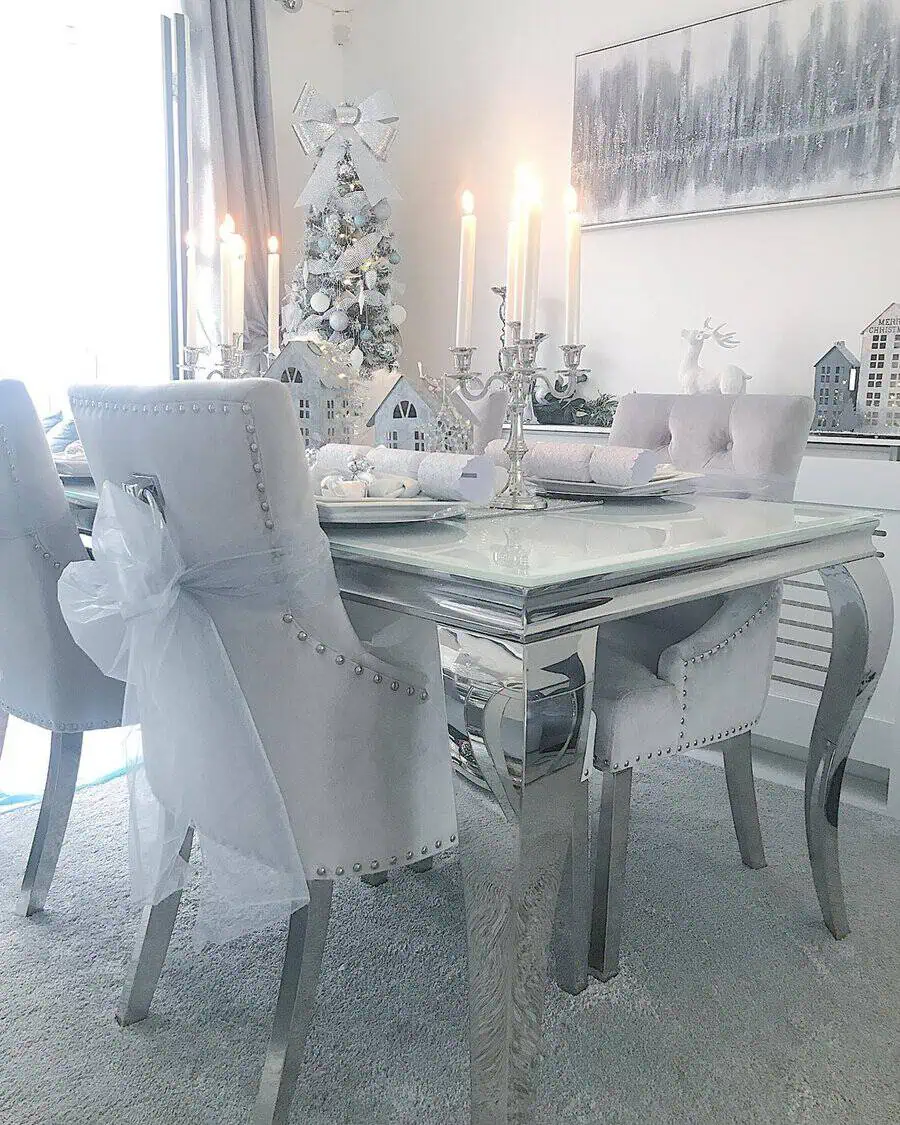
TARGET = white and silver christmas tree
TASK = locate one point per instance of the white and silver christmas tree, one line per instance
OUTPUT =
(344, 290)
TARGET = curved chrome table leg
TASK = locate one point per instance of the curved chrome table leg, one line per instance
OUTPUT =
(513, 847)
(862, 622)
(150, 949)
(62, 774)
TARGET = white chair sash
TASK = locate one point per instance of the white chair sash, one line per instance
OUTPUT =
(141, 615)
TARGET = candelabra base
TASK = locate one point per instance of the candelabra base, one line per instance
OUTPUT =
(519, 502)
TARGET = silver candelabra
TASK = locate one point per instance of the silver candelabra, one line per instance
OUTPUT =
(519, 374)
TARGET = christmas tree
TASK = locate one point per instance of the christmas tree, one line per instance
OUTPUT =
(344, 291)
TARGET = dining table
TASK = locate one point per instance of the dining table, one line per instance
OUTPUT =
(518, 599)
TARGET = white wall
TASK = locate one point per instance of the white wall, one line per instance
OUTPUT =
(481, 85)
(301, 49)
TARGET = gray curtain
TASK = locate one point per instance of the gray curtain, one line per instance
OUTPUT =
(232, 150)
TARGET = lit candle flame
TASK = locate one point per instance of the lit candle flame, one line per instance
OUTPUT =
(227, 229)
(570, 199)
(273, 244)
(468, 203)
(189, 240)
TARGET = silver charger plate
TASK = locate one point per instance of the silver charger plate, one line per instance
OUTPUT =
(673, 484)
(386, 511)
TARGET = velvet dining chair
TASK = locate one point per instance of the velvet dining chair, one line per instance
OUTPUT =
(45, 678)
(695, 675)
(355, 739)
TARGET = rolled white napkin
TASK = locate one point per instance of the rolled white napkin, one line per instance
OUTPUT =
(550, 460)
(401, 462)
(457, 476)
(621, 466)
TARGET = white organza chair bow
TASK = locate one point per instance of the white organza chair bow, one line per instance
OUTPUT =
(44, 677)
(693, 675)
(300, 754)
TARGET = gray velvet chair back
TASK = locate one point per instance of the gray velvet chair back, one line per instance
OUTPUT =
(360, 759)
(743, 443)
(45, 678)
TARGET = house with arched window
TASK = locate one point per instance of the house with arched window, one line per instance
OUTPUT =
(321, 404)
(400, 419)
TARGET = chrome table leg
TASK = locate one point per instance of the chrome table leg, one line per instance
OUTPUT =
(294, 1009)
(862, 623)
(572, 933)
(738, 758)
(610, 853)
(150, 949)
(62, 774)
(513, 847)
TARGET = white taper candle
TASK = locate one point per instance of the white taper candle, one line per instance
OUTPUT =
(238, 265)
(466, 294)
(512, 273)
(226, 234)
(192, 320)
(573, 268)
(274, 294)
(531, 222)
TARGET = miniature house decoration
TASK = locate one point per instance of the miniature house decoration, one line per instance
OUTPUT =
(836, 390)
(321, 396)
(861, 395)
(880, 375)
(418, 414)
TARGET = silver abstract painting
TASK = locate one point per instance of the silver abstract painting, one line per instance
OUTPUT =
(792, 101)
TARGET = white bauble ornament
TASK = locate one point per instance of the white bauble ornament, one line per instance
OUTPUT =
(338, 320)
(382, 210)
(319, 302)
(356, 358)
(396, 314)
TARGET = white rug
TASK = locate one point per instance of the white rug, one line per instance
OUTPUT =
(734, 1004)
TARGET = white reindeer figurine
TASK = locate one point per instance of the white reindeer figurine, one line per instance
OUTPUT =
(694, 379)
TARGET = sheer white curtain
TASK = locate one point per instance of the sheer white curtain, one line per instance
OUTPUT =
(82, 197)
(83, 246)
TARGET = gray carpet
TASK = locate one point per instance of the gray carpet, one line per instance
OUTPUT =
(734, 1005)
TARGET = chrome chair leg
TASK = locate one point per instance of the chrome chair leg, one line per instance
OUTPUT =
(610, 853)
(151, 947)
(738, 759)
(295, 1006)
(862, 623)
(376, 879)
(62, 774)
(572, 929)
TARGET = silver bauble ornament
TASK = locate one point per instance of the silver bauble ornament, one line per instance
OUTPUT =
(338, 320)
(319, 302)
(396, 314)
(382, 210)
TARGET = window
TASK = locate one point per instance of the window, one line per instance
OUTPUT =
(405, 409)
(292, 375)
(873, 398)
(88, 186)
(418, 441)
(828, 368)
(329, 409)
(393, 441)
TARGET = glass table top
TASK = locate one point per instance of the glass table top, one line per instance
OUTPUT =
(570, 540)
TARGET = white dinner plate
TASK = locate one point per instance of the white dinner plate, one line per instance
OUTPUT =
(672, 484)
(386, 511)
